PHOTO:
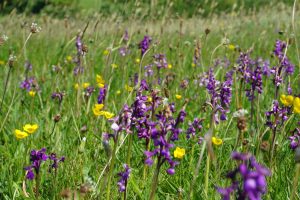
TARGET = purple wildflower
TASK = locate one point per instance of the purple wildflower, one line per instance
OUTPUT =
(55, 161)
(276, 116)
(28, 83)
(194, 127)
(36, 159)
(89, 91)
(252, 183)
(144, 44)
(58, 95)
(160, 61)
(295, 139)
(122, 183)
(102, 95)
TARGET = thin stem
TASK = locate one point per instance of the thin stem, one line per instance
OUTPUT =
(111, 168)
(207, 175)
(196, 172)
(37, 184)
(273, 143)
(5, 88)
(155, 179)
(129, 148)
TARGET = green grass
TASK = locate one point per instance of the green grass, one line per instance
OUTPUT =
(84, 165)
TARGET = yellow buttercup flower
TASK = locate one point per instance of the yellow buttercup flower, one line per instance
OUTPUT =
(20, 134)
(114, 65)
(100, 81)
(118, 92)
(193, 65)
(179, 152)
(137, 61)
(31, 93)
(85, 85)
(76, 86)
(106, 52)
(170, 66)
(108, 115)
(216, 141)
(149, 99)
(69, 58)
(178, 96)
(231, 47)
(2, 62)
(297, 105)
(97, 109)
(287, 100)
(128, 88)
(30, 128)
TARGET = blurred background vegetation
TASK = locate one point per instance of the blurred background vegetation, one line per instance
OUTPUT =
(130, 9)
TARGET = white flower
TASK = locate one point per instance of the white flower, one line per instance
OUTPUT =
(34, 28)
(240, 113)
(115, 127)
(165, 101)
(4, 37)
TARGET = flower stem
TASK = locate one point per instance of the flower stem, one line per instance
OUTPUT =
(196, 172)
(111, 168)
(207, 175)
(155, 180)
(129, 149)
(37, 184)
(5, 88)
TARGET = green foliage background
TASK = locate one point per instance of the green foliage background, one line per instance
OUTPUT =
(138, 8)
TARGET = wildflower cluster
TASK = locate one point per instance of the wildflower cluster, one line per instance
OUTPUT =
(248, 179)
(37, 157)
(27, 129)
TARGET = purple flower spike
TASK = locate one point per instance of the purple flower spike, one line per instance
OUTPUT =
(248, 179)
(102, 95)
(144, 44)
(36, 159)
(122, 183)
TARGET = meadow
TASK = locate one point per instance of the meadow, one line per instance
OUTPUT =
(95, 107)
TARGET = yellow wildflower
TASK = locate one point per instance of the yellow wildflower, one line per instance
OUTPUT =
(85, 85)
(69, 58)
(137, 61)
(106, 52)
(2, 62)
(193, 65)
(128, 88)
(179, 153)
(297, 105)
(31, 93)
(108, 115)
(114, 65)
(216, 141)
(118, 92)
(76, 86)
(30, 128)
(170, 66)
(231, 47)
(287, 100)
(100, 81)
(149, 99)
(20, 134)
(178, 96)
(97, 109)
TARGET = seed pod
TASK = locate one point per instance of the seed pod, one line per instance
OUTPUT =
(242, 124)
